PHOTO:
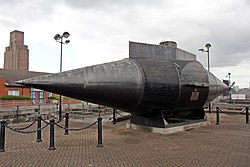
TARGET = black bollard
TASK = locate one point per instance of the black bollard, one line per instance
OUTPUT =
(209, 108)
(247, 115)
(2, 135)
(39, 130)
(17, 116)
(52, 133)
(217, 116)
(99, 119)
(66, 132)
(114, 116)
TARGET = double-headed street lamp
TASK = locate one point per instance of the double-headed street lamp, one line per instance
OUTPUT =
(208, 45)
(59, 38)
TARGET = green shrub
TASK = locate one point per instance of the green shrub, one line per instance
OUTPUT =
(10, 97)
(53, 98)
(57, 97)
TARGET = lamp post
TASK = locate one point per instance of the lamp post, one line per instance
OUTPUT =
(59, 38)
(229, 84)
(208, 45)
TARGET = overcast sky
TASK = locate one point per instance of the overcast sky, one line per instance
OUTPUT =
(100, 31)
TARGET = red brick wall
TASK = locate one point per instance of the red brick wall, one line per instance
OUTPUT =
(2, 86)
(13, 103)
(23, 58)
(23, 91)
(26, 92)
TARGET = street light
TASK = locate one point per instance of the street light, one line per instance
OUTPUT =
(59, 38)
(208, 45)
(229, 84)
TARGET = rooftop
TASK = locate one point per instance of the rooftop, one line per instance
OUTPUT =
(14, 75)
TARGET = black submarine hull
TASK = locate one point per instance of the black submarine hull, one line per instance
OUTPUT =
(152, 90)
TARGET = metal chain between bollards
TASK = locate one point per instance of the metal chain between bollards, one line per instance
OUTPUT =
(71, 129)
(76, 129)
(231, 114)
(44, 126)
(59, 121)
(218, 110)
(23, 128)
(45, 121)
(20, 131)
(122, 115)
(86, 127)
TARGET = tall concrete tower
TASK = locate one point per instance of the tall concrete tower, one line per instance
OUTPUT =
(16, 56)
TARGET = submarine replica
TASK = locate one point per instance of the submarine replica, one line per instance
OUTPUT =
(156, 84)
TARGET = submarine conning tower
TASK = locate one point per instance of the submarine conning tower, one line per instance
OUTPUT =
(166, 50)
(156, 84)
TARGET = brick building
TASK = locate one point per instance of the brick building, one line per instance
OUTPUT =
(16, 67)
(9, 87)
(16, 56)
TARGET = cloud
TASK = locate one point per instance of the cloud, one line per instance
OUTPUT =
(20, 12)
(107, 5)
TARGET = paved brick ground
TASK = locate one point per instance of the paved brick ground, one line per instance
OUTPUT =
(227, 144)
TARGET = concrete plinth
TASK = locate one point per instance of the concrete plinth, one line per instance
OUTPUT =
(168, 130)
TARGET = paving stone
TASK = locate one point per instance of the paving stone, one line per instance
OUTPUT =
(226, 144)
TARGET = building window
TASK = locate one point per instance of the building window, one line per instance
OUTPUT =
(49, 94)
(41, 97)
(33, 96)
(13, 92)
